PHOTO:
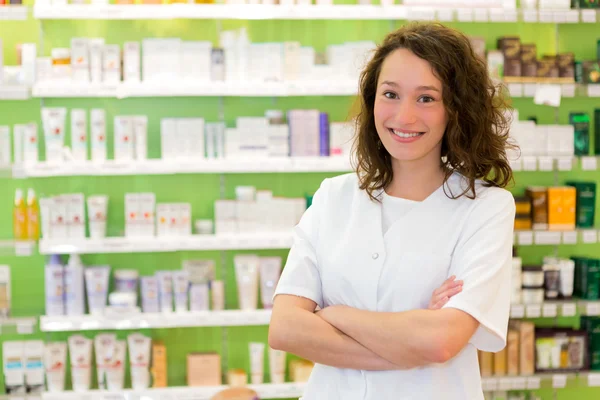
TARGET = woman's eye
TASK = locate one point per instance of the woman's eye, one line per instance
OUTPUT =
(390, 95)
(426, 99)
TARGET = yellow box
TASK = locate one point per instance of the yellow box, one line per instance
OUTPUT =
(159, 365)
(561, 208)
(204, 369)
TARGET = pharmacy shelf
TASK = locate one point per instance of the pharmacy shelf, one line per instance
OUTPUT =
(264, 391)
(566, 89)
(116, 320)
(308, 12)
(13, 12)
(247, 241)
(14, 92)
(163, 167)
(22, 325)
(69, 88)
(546, 310)
(580, 236)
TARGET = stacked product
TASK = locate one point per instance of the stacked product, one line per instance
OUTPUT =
(517, 358)
(25, 144)
(63, 216)
(553, 280)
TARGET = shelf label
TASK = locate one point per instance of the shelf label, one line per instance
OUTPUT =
(546, 16)
(497, 15)
(549, 310)
(569, 237)
(590, 236)
(515, 89)
(569, 310)
(546, 163)
(510, 16)
(594, 379)
(516, 165)
(565, 163)
(445, 14)
(588, 16)
(533, 383)
(529, 89)
(517, 311)
(25, 328)
(505, 384)
(23, 249)
(547, 95)
(589, 163)
(593, 90)
(490, 384)
(559, 17)
(529, 163)
(592, 309)
(530, 16)
(568, 90)
(481, 15)
(572, 16)
(559, 381)
(525, 238)
(547, 237)
(465, 15)
(533, 311)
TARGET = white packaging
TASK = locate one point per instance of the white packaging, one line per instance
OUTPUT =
(270, 270)
(79, 147)
(115, 374)
(124, 145)
(277, 365)
(199, 297)
(104, 346)
(163, 220)
(74, 287)
(147, 205)
(174, 217)
(18, 140)
(98, 133)
(80, 60)
(97, 207)
(132, 211)
(55, 361)
(165, 288)
(131, 62)
(34, 366)
(96, 48)
(28, 63)
(30, 144)
(181, 283)
(168, 138)
(80, 355)
(140, 133)
(184, 222)
(58, 217)
(76, 216)
(5, 290)
(43, 69)
(96, 285)
(54, 133)
(257, 356)
(246, 273)
(54, 275)
(139, 359)
(111, 64)
(196, 60)
(217, 295)
(14, 368)
(5, 148)
(150, 294)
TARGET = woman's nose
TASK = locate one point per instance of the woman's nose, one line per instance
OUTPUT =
(405, 113)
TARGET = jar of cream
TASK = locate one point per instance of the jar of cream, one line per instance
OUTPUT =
(532, 275)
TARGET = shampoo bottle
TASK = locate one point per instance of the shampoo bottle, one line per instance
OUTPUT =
(33, 221)
(74, 289)
(20, 216)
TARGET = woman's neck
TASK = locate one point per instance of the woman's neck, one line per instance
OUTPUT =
(415, 180)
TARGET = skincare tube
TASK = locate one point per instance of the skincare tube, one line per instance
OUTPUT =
(218, 295)
(140, 132)
(165, 290)
(567, 271)
(46, 215)
(199, 298)
(54, 286)
(115, 374)
(80, 354)
(277, 365)
(139, 358)
(31, 143)
(96, 284)
(150, 294)
(181, 283)
(79, 135)
(246, 274)
(74, 286)
(123, 139)
(53, 120)
(34, 366)
(257, 357)
(98, 133)
(270, 270)
(104, 346)
(97, 211)
(14, 368)
(55, 362)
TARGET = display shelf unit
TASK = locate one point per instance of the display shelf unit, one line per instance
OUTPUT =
(13, 12)
(264, 391)
(311, 12)
(122, 320)
(165, 167)
(579, 236)
(14, 92)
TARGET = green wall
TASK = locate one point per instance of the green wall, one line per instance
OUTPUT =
(203, 190)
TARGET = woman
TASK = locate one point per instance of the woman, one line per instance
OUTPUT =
(427, 202)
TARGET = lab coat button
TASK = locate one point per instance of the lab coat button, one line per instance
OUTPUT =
(375, 256)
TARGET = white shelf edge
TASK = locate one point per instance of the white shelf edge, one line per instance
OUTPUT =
(14, 92)
(13, 12)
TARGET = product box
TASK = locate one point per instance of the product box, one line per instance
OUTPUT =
(132, 211)
(528, 52)
(591, 71)
(585, 204)
(80, 61)
(587, 278)
(510, 46)
(76, 215)
(512, 352)
(539, 207)
(597, 131)
(204, 369)
(560, 350)
(512, 68)
(581, 123)
(592, 326)
(131, 62)
(526, 331)
(566, 65)
(547, 68)
(5, 291)
(495, 64)
(500, 366)
(111, 64)
(478, 44)
(159, 364)
(561, 208)
(124, 139)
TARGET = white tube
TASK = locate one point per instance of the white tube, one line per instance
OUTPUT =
(96, 284)
(181, 283)
(257, 357)
(123, 138)
(54, 274)
(199, 298)
(270, 270)
(14, 367)
(165, 288)
(34, 366)
(53, 120)
(98, 133)
(79, 147)
(277, 365)
(115, 375)
(55, 361)
(97, 211)
(555, 354)
(567, 271)
(80, 354)
(246, 273)
(218, 295)
(104, 346)
(140, 129)
(150, 294)
(74, 286)
(139, 359)
(46, 216)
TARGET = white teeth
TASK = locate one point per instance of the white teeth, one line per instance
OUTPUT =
(405, 135)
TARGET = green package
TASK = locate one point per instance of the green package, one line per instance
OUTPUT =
(590, 279)
(592, 326)
(585, 204)
(581, 123)
(597, 131)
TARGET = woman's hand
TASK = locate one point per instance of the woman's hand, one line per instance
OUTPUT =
(441, 295)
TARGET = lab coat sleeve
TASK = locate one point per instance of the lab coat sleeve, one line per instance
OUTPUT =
(483, 259)
(301, 275)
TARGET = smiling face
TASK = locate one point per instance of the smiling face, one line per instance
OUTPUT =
(409, 111)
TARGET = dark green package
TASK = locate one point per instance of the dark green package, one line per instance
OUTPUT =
(586, 203)
(592, 326)
(577, 291)
(581, 123)
(578, 72)
(590, 279)
(597, 131)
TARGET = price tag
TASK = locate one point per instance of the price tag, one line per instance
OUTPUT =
(533, 311)
(590, 236)
(559, 17)
(23, 249)
(572, 16)
(465, 14)
(445, 14)
(588, 16)
(545, 163)
(559, 381)
(569, 310)
(505, 384)
(547, 237)
(547, 95)
(529, 89)
(568, 90)
(525, 238)
(490, 384)
(529, 163)
(515, 89)
(569, 237)
(530, 16)
(549, 310)
(565, 163)
(497, 15)
(589, 163)
(593, 90)
(25, 328)
(517, 311)
(546, 16)
(592, 309)
(594, 379)
(516, 165)
(518, 383)
(510, 16)
(533, 383)
(481, 15)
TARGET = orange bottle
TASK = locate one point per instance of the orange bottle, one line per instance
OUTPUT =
(20, 217)
(33, 219)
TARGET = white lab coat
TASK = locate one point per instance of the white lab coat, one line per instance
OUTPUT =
(341, 256)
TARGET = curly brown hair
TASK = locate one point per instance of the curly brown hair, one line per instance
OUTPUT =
(476, 137)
